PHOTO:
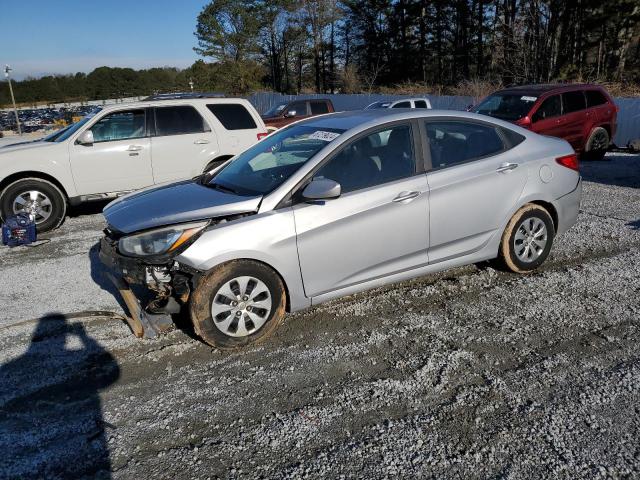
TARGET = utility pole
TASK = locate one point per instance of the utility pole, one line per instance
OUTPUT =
(7, 69)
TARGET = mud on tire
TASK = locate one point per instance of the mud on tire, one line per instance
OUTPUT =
(200, 305)
(517, 227)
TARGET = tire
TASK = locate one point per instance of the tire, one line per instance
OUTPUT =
(597, 144)
(516, 257)
(216, 291)
(50, 206)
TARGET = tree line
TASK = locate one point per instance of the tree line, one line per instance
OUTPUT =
(303, 46)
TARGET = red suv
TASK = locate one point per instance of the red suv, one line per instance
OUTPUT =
(584, 115)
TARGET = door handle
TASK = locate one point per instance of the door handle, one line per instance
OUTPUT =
(506, 167)
(406, 196)
(134, 148)
(201, 142)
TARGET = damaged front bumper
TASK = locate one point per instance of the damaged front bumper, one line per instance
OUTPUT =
(169, 282)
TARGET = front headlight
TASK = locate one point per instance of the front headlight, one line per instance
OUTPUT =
(161, 241)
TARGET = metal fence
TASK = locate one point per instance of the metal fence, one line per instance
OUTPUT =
(628, 116)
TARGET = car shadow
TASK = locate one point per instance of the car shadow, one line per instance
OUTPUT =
(88, 208)
(50, 409)
(618, 170)
(635, 225)
(99, 276)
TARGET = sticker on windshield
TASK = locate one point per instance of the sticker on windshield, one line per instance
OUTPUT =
(321, 135)
(528, 99)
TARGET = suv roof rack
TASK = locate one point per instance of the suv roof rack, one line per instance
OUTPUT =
(180, 95)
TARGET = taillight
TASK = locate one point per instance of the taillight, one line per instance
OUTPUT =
(569, 161)
(261, 135)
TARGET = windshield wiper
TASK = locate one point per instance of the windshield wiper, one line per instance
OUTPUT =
(223, 188)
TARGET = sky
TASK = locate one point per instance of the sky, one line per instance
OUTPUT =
(39, 37)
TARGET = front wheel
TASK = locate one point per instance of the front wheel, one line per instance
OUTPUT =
(237, 304)
(38, 198)
(526, 242)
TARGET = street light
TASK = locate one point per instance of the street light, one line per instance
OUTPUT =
(7, 69)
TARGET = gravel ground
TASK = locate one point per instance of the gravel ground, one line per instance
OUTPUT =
(471, 373)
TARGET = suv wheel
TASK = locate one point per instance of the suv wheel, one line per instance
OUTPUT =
(526, 242)
(237, 304)
(597, 144)
(38, 198)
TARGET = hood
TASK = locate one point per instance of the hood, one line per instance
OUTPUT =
(14, 147)
(175, 203)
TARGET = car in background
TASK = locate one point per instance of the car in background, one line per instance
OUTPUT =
(403, 103)
(338, 204)
(583, 114)
(122, 148)
(284, 113)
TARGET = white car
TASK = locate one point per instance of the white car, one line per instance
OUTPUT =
(122, 148)
(402, 103)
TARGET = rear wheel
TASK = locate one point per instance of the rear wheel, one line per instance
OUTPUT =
(527, 240)
(597, 144)
(238, 304)
(38, 198)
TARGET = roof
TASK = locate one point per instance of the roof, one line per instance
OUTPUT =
(174, 101)
(362, 119)
(541, 88)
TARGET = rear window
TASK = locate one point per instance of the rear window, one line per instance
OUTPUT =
(232, 116)
(595, 98)
(573, 101)
(179, 120)
(318, 108)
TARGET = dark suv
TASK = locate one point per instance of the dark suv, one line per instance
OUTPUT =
(584, 115)
(285, 113)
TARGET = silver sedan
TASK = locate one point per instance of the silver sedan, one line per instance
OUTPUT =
(338, 204)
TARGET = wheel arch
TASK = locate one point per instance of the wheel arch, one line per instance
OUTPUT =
(549, 208)
(14, 177)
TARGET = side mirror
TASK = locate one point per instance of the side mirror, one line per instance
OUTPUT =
(290, 113)
(525, 122)
(85, 138)
(322, 189)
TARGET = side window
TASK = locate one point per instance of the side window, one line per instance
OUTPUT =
(179, 120)
(573, 101)
(232, 116)
(551, 107)
(318, 108)
(420, 104)
(595, 98)
(119, 126)
(454, 142)
(406, 104)
(299, 107)
(381, 157)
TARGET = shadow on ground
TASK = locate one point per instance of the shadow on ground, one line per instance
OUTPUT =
(50, 409)
(619, 170)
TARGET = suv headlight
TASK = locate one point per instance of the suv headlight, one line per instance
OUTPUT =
(162, 241)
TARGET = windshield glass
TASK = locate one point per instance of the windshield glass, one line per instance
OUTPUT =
(71, 129)
(506, 106)
(275, 110)
(270, 162)
(378, 105)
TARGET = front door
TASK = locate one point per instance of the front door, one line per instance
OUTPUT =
(120, 157)
(474, 183)
(377, 227)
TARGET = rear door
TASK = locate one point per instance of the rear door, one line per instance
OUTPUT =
(574, 118)
(378, 226)
(239, 128)
(183, 143)
(120, 157)
(474, 182)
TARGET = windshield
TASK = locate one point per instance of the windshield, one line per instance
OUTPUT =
(270, 162)
(275, 110)
(506, 106)
(71, 129)
(378, 105)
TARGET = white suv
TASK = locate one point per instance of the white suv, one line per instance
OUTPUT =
(402, 103)
(122, 148)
